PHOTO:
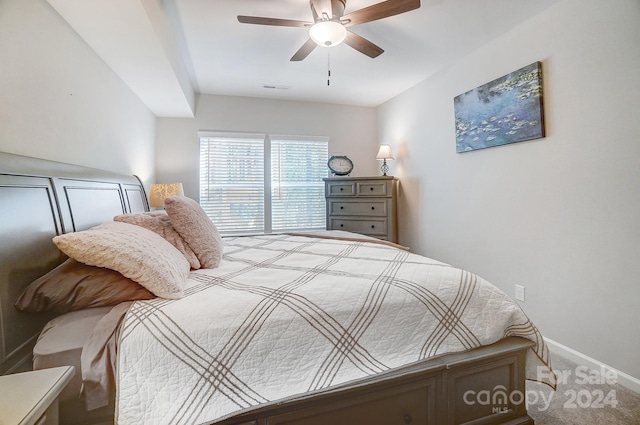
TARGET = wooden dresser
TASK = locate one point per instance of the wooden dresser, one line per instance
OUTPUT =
(365, 205)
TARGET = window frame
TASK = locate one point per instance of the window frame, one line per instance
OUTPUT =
(267, 161)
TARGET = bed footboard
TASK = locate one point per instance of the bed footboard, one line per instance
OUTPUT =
(483, 386)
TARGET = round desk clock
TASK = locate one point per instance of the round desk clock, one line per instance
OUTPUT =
(340, 165)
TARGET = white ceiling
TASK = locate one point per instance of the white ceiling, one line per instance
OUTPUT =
(168, 50)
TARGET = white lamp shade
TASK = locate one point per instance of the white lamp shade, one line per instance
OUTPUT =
(163, 190)
(328, 33)
(384, 152)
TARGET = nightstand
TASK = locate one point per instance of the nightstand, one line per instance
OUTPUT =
(31, 398)
(365, 205)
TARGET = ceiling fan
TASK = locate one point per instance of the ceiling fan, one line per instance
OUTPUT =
(329, 26)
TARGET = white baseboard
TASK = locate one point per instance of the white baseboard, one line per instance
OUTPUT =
(623, 379)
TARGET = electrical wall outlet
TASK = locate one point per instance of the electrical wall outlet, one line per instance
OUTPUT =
(519, 293)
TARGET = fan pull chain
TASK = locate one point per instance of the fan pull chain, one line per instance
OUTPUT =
(328, 67)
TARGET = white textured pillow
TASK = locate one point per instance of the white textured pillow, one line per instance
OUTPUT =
(160, 223)
(195, 227)
(137, 253)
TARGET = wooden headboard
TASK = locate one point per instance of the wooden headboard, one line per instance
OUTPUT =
(40, 199)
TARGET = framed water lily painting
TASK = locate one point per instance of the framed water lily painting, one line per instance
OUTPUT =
(505, 110)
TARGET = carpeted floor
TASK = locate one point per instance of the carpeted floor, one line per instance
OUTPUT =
(582, 398)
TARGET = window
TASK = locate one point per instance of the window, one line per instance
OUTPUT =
(260, 183)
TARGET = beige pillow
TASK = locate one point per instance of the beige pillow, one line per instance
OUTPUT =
(195, 227)
(160, 223)
(73, 286)
(137, 253)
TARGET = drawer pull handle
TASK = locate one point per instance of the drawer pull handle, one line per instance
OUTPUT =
(370, 188)
(341, 208)
(342, 225)
(408, 419)
(373, 208)
(342, 188)
(373, 226)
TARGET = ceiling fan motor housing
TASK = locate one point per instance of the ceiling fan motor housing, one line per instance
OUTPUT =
(337, 10)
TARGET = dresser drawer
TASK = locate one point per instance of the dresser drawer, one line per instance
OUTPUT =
(340, 188)
(373, 188)
(368, 227)
(367, 208)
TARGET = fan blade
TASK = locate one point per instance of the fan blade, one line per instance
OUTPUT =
(379, 11)
(272, 21)
(322, 6)
(362, 45)
(304, 51)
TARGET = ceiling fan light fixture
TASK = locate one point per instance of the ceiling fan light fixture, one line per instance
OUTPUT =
(328, 33)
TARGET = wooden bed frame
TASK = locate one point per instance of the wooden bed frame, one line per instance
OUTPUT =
(40, 199)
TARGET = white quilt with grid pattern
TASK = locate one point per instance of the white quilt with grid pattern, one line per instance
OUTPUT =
(284, 315)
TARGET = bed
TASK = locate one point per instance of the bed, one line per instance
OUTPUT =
(286, 329)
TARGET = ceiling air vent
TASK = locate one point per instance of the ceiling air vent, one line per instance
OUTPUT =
(275, 87)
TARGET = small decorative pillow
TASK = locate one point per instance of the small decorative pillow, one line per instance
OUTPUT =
(195, 227)
(73, 286)
(160, 223)
(137, 253)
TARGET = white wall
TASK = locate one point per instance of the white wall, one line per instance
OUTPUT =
(352, 131)
(559, 215)
(61, 102)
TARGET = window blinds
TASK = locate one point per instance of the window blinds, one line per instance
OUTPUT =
(232, 182)
(261, 183)
(297, 189)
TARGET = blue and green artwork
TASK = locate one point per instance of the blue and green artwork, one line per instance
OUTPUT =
(505, 110)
